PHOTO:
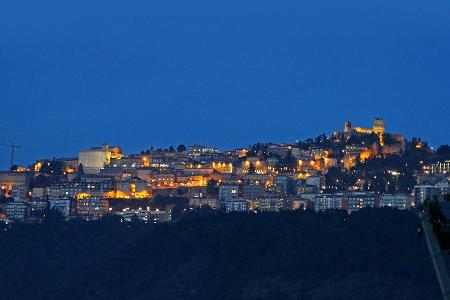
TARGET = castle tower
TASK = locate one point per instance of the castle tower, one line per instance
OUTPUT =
(378, 128)
(347, 126)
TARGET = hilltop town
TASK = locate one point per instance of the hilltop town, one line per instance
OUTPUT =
(350, 169)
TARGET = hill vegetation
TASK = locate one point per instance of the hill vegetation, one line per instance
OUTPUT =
(371, 254)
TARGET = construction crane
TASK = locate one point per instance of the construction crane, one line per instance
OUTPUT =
(13, 148)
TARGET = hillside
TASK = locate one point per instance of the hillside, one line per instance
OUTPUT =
(371, 254)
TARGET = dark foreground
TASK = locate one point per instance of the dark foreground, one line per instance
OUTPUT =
(372, 254)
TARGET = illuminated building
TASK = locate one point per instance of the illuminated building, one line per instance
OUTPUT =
(150, 215)
(165, 179)
(282, 183)
(444, 186)
(329, 201)
(94, 159)
(146, 161)
(38, 206)
(64, 205)
(197, 181)
(69, 164)
(19, 169)
(305, 189)
(198, 169)
(88, 186)
(255, 178)
(253, 163)
(354, 150)
(298, 203)
(115, 173)
(146, 173)
(253, 191)
(272, 202)
(439, 167)
(92, 208)
(358, 200)
(14, 180)
(197, 150)
(317, 153)
(271, 164)
(424, 192)
(317, 181)
(37, 166)
(280, 150)
(201, 201)
(365, 155)
(329, 162)
(132, 186)
(400, 201)
(130, 162)
(227, 193)
(222, 167)
(16, 211)
(353, 154)
(242, 152)
(349, 161)
(237, 205)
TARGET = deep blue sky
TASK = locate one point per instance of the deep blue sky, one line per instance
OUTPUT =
(223, 73)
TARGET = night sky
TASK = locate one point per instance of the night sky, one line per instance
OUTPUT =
(223, 73)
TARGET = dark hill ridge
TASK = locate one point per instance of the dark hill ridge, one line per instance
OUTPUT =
(371, 254)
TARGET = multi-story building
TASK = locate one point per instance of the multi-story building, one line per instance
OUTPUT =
(401, 201)
(129, 162)
(197, 150)
(329, 201)
(424, 192)
(64, 205)
(283, 184)
(164, 179)
(237, 205)
(317, 181)
(279, 150)
(14, 180)
(255, 178)
(223, 167)
(92, 208)
(272, 202)
(197, 170)
(38, 205)
(16, 211)
(439, 167)
(132, 187)
(40, 192)
(228, 192)
(253, 165)
(444, 186)
(146, 215)
(358, 200)
(203, 201)
(253, 191)
(75, 188)
(305, 189)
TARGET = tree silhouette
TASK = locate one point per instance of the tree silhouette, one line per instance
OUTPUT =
(181, 148)
(80, 171)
